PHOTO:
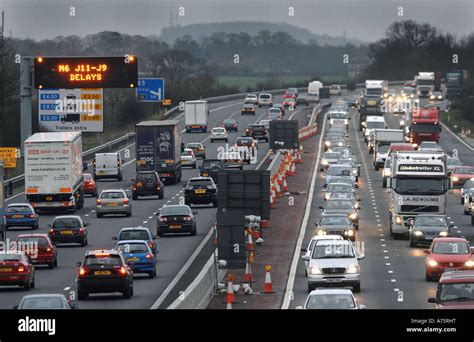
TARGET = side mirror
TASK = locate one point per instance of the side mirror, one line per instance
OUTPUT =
(432, 300)
(305, 257)
(78, 264)
(15, 307)
(86, 224)
(427, 251)
(361, 257)
(195, 212)
(321, 207)
(304, 250)
(114, 238)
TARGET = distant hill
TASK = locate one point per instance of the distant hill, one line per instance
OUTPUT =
(169, 34)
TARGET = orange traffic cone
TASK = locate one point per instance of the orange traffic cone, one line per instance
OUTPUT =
(277, 190)
(268, 287)
(248, 273)
(250, 245)
(272, 202)
(264, 224)
(230, 291)
(292, 169)
(285, 186)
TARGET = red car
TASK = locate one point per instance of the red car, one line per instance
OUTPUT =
(447, 254)
(16, 269)
(290, 95)
(39, 248)
(461, 174)
(88, 185)
(455, 291)
(289, 101)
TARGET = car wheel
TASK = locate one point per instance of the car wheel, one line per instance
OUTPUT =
(127, 293)
(412, 243)
(384, 182)
(84, 242)
(472, 220)
(357, 288)
(33, 282)
(134, 197)
(428, 277)
(193, 231)
(27, 285)
(214, 204)
(51, 264)
(98, 215)
(81, 295)
(466, 212)
(152, 274)
(128, 214)
(160, 234)
(56, 262)
(194, 166)
(162, 194)
(310, 288)
(212, 141)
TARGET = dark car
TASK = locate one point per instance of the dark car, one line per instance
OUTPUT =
(281, 107)
(424, 228)
(302, 100)
(336, 224)
(21, 215)
(200, 190)
(211, 167)
(346, 207)
(257, 132)
(104, 271)
(16, 269)
(137, 233)
(147, 183)
(176, 219)
(231, 125)
(352, 102)
(47, 301)
(248, 108)
(68, 229)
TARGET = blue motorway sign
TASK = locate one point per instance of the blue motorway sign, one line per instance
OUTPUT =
(151, 89)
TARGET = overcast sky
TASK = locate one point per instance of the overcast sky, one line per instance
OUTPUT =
(362, 19)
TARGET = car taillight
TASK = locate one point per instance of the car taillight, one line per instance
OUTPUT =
(163, 219)
(93, 162)
(158, 188)
(187, 218)
(31, 216)
(123, 271)
(48, 249)
(201, 149)
(81, 230)
(148, 256)
(150, 244)
(21, 268)
(126, 201)
(99, 202)
(82, 271)
(51, 231)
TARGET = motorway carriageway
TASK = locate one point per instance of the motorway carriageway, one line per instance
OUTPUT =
(174, 251)
(392, 273)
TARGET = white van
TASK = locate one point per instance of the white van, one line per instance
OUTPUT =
(108, 165)
(265, 99)
(373, 122)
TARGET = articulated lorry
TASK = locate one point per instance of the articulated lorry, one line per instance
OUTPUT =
(382, 140)
(419, 183)
(370, 105)
(158, 148)
(454, 84)
(53, 171)
(195, 116)
(424, 125)
(425, 84)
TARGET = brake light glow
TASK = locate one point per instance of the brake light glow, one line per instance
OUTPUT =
(148, 256)
(187, 218)
(82, 271)
(126, 201)
(163, 219)
(122, 270)
(48, 249)
(21, 268)
(81, 230)
(150, 244)
(99, 202)
(51, 231)
(31, 216)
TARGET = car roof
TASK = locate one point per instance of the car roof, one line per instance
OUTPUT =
(200, 178)
(67, 216)
(450, 239)
(330, 291)
(457, 277)
(134, 228)
(326, 237)
(336, 215)
(176, 206)
(430, 215)
(20, 205)
(113, 190)
(103, 251)
(121, 242)
(32, 235)
(44, 295)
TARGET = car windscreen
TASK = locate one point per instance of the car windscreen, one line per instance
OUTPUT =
(450, 247)
(200, 182)
(10, 256)
(330, 251)
(243, 141)
(132, 247)
(339, 187)
(456, 291)
(211, 165)
(335, 221)
(337, 204)
(175, 211)
(108, 260)
(34, 240)
(383, 148)
(193, 145)
(146, 177)
(375, 124)
(430, 221)
(66, 223)
(338, 115)
(188, 153)
(18, 209)
(331, 155)
(339, 170)
(464, 170)
(111, 195)
(330, 302)
(134, 235)
(87, 177)
(43, 303)
(265, 96)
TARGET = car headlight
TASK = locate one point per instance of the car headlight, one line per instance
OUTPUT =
(315, 270)
(354, 171)
(417, 233)
(321, 232)
(455, 179)
(357, 205)
(432, 97)
(398, 220)
(469, 263)
(327, 196)
(327, 143)
(443, 233)
(353, 216)
(440, 97)
(349, 232)
(364, 123)
(433, 263)
(353, 270)
(324, 162)
(402, 122)
(387, 173)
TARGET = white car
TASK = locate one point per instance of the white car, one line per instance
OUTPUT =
(430, 146)
(387, 171)
(188, 158)
(265, 99)
(251, 98)
(335, 89)
(314, 240)
(219, 133)
(232, 160)
(334, 263)
(331, 299)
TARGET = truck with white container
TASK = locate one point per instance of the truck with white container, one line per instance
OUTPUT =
(53, 171)
(195, 116)
(382, 140)
(425, 84)
(419, 183)
(376, 87)
(313, 91)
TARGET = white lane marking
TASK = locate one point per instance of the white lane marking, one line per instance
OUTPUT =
(150, 217)
(388, 264)
(396, 289)
(145, 222)
(385, 251)
(294, 262)
(393, 280)
(86, 215)
(390, 271)
(182, 271)
(386, 257)
(384, 245)
(382, 239)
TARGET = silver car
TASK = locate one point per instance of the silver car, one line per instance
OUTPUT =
(329, 158)
(188, 158)
(313, 242)
(468, 199)
(219, 133)
(113, 202)
(331, 299)
(334, 263)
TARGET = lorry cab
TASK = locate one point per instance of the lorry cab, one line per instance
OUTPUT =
(108, 165)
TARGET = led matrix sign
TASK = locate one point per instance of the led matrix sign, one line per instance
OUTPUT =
(86, 72)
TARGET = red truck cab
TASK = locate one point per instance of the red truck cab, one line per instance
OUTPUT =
(425, 125)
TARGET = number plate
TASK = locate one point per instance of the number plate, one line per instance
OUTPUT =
(5, 269)
(336, 280)
(49, 198)
(102, 273)
(175, 226)
(112, 204)
(132, 259)
(17, 216)
(205, 174)
(200, 191)
(101, 172)
(66, 232)
(451, 269)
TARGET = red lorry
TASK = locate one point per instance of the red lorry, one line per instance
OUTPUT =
(425, 125)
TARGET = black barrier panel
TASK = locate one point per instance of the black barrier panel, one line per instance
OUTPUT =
(284, 135)
(324, 93)
(247, 191)
(231, 239)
